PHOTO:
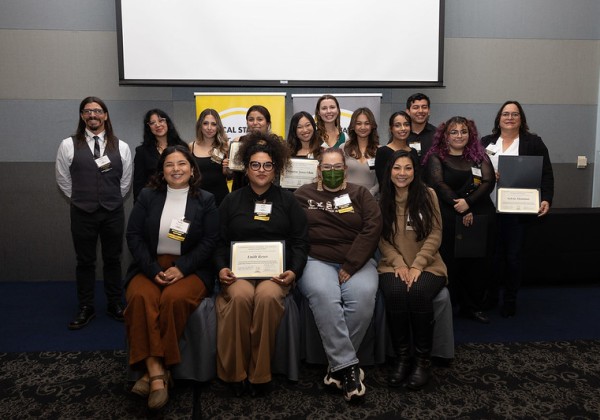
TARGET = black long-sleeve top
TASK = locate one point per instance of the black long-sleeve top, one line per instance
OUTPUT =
(287, 222)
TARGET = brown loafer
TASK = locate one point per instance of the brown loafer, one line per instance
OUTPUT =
(142, 387)
(159, 397)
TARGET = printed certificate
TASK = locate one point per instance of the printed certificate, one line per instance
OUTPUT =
(518, 200)
(257, 260)
(300, 172)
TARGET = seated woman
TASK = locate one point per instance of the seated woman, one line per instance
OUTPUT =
(462, 175)
(340, 278)
(249, 311)
(210, 152)
(411, 268)
(172, 234)
(400, 123)
(159, 132)
(360, 149)
(303, 139)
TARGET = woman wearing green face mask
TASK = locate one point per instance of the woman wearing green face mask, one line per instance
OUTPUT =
(340, 278)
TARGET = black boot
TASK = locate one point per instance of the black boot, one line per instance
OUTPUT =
(422, 327)
(399, 324)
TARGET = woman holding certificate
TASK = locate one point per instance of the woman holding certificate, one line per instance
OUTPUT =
(462, 176)
(411, 268)
(250, 306)
(340, 279)
(172, 234)
(258, 118)
(511, 137)
(210, 152)
(360, 149)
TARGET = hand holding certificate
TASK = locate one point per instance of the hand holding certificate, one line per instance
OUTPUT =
(519, 183)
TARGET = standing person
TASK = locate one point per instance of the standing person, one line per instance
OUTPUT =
(411, 268)
(418, 107)
(303, 138)
(328, 119)
(172, 233)
(258, 118)
(249, 311)
(463, 177)
(159, 132)
(340, 278)
(210, 152)
(360, 150)
(400, 123)
(511, 137)
(93, 169)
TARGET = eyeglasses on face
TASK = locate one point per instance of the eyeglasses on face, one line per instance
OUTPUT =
(337, 167)
(95, 111)
(510, 114)
(456, 133)
(267, 166)
(159, 121)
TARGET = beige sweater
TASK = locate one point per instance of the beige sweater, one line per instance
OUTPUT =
(406, 251)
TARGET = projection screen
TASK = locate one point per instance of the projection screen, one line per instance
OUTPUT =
(278, 43)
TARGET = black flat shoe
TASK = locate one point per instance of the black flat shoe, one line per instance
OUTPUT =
(480, 317)
(259, 390)
(85, 315)
(115, 311)
(239, 388)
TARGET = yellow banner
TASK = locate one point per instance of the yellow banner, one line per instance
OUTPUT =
(232, 108)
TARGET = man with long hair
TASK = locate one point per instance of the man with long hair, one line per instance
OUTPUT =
(93, 169)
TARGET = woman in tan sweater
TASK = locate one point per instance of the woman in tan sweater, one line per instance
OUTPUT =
(411, 270)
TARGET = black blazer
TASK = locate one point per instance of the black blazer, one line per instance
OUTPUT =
(532, 145)
(197, 248)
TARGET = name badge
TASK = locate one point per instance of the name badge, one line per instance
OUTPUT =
(325, 145)
(178, 229)
(371, 163)
(476, 175)
(343, 204)
(416, 145)
(103, 163)
(491, 149)
(262, 211)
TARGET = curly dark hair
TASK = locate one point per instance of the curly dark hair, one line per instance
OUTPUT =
(269, 143)
(473, 150)
(173, 138)
(419, 203)
(158, 181)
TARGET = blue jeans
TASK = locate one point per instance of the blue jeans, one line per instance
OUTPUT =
(342, 312)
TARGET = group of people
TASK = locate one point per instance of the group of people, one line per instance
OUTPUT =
(375, 218)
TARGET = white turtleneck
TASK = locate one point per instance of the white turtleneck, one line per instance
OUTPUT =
(174, 209)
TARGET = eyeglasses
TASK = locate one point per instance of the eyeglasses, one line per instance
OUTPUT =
(267, 166)
(337, 167)
(95, 111)
(159, 121)
(510, 114)
(455, 133)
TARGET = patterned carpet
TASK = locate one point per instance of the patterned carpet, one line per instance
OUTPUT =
(550, 380)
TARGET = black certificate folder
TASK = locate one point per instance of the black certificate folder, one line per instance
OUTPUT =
(471, 241)
(520, 171)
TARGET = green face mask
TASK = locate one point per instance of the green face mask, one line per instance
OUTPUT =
(333, 179)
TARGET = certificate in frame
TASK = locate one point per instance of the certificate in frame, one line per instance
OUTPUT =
(257, 260)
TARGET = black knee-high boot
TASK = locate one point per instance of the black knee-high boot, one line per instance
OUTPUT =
(422, 328)
(399, 324)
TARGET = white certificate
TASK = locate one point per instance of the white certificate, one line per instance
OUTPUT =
(234, 147)
(300, 172)
(518, 200)
(257, 260)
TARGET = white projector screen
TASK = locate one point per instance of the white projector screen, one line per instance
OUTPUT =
(349, 43)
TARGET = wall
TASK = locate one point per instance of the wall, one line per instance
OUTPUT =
(544, 53)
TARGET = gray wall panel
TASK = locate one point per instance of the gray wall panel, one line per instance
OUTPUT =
(71, 15)
(549, 19)
(65, 65)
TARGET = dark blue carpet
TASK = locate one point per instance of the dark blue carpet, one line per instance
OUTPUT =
(35, 317)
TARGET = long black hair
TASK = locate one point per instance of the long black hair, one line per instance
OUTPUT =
(420, 206)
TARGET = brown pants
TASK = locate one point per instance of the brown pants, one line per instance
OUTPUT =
(155, 316)
(248, 315)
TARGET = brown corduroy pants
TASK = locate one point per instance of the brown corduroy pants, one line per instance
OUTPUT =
(155, 316)
(248, 315)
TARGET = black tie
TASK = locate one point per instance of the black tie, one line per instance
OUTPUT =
(96, 147)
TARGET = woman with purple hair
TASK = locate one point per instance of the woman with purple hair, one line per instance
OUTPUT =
(462, 175)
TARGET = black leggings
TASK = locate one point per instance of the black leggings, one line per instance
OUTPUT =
(418, 299)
